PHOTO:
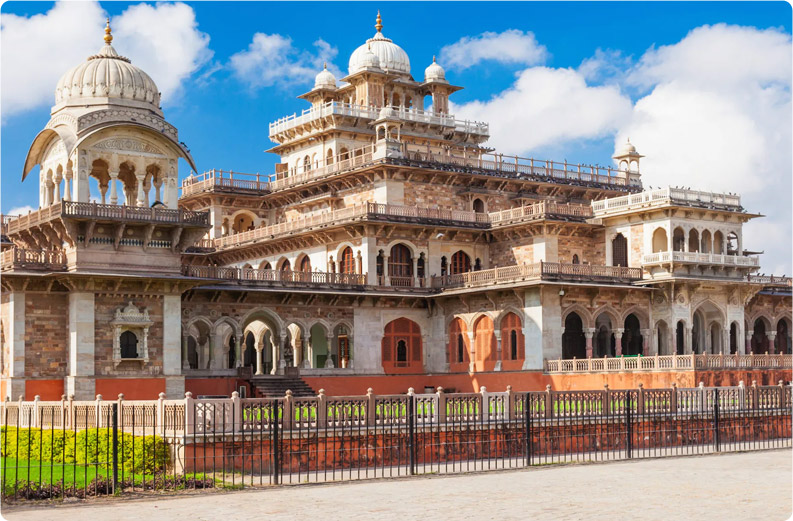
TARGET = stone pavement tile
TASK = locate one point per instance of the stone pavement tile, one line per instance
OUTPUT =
(722, 487)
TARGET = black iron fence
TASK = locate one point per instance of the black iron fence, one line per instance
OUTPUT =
(69, 448)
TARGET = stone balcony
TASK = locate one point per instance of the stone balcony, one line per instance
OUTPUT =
(668, 258)
(22, 259)
(287, 127)
(666, 197)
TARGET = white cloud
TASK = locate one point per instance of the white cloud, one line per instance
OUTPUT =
(547, 106)
(511, 46)
(21, 210)
(272, 59)
(717, 117)
(163, 40)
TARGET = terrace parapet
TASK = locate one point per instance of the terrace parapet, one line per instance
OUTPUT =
(664, 363)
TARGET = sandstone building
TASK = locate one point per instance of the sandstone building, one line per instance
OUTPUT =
(390, 248)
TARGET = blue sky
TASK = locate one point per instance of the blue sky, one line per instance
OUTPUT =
(639, 59)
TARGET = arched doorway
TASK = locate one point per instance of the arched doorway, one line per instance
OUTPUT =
(733, 338)
(400, 266)
(759, 338)
(479, 206)
(697, 333)
(461, 263)
(573, 341)
(680, 338)
(662, 338)
(619, 251)
(604, 342)
(632, 341)
(401, 349)
(347, 261)
(660, 240)
(782, 340)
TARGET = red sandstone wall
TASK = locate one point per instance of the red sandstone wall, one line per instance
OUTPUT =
(46, 335)
(132, 388)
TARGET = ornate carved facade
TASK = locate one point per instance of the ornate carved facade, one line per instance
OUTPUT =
(390, 243)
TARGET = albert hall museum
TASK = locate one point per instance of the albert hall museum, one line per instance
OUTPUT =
(390, 248)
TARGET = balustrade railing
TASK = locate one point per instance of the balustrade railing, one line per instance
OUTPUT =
(663, 196)
(666, 257)
(540, 270)
(770, 280)
(275, 276)
(223, 179)
(22, 258)
(669, 363)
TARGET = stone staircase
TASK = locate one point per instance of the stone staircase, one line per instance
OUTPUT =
(276, 386)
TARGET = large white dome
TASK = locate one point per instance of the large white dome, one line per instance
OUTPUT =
(392, 57)
(107, 75)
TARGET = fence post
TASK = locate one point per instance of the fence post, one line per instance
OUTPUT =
(529, 434)
(287, 416)
(236, 408)
(97, 407)
(606, 401)
(640, 404)
(411, 433)
(322, 412)
(441, 405)
(484, 411)
(781, 394)
(36, 410)
(548, 402)
(115, 447)
(371, 408)
(628, 427)
(63, 410)
(755, 395)
(702, 405)
(716, 418)
(71, 411)
(741, 395)
(275, 443)
(189, 413)
(510, 405)
(161, 410)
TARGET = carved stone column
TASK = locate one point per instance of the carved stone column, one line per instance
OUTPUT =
(749, 335)
(689, 349)
(471, 351)
(499, 357)
(415, 271)
(259, 361)
(141, 195)
(589, 332)
(386, 276)
(282, 354)
(67, 184)
(56, 183)
(238, 354)
(771, 342)
(649, 347)
(618, 340)
(332, 350)
(113, 182)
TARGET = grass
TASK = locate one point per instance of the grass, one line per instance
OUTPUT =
(40, 472)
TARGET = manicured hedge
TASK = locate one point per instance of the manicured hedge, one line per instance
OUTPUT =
(136, 454)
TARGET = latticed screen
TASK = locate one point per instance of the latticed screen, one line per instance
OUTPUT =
(619, 250)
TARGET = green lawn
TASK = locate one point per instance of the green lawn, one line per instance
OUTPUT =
(35, 472)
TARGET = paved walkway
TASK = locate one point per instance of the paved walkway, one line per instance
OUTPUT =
(745, 486)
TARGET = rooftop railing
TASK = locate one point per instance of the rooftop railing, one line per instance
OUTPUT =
(538, 271)
(278, 277)
(335, 108)
(662, 197)
(770, 280)
(687, 257)
(688, 362)
(221, 180)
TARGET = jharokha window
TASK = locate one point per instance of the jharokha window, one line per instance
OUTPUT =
(401, 347)
(400, 264)
(347, 261)
(305, 264)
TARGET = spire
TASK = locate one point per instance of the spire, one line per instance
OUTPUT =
(379, 24)
(325, 66)
(433, 58)
(108, 36)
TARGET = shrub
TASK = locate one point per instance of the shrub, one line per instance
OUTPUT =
(136, 454)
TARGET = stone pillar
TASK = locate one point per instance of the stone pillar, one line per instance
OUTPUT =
(685, 240)
(259, 361)
(16, 336)
(618, 340)
(141, 195)
(689, 348)
(749, 335)
(332, 350)
(238, 346)
(113, 192)
(499, 351)
(185, 353)
(471, 351)
(80, 380)
(67, 184)
(274, 355)
(281, 354)
(56, 182)
(386, 277)
(171, 346)
(589, 332)
(771, 344)
(648, 346)
(415, 271)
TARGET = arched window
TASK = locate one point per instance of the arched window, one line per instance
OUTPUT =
(347, 261)
(305, 264)
(632, 342)
(129, 345)
(444, 267)
(693, 241)
(718, 243)
(680, 339)
(619, 251)
(306, 164)
(286, 266)
(573, 341)
(479, 206)
(575, 259)
(400, 266)
(461, 263)
(458, 346)
(485, 349)
(232, 358)
(733, 338)
(781, 340)
(344, 154)
(660, 240)
(678, 239)
(478, 264)
(512, 342)
(329, 157)
(420, 271)
(401, 347)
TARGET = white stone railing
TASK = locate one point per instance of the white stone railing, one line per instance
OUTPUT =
(770, 280)
(662, 197)
(335, 108)
(669, 363)
(220, 179)
(298, 278)
(666, 257)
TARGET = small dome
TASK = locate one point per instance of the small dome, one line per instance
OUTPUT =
(391, 57)
(434, 72)
(325, 79)
(107, 75)
(627, 149)
(388, 112)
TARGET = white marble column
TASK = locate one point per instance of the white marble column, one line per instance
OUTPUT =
(259, 361)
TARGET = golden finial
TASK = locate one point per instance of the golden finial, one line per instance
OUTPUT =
(379, 24)
(108, 36)
(325, 65)
(433, 58)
